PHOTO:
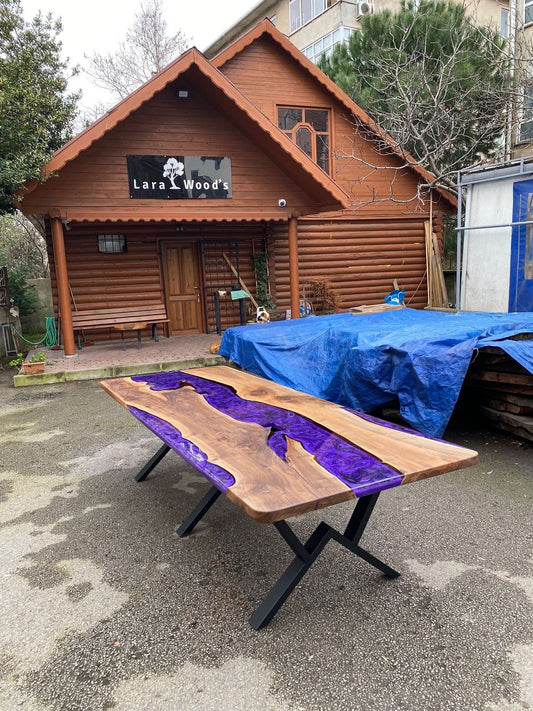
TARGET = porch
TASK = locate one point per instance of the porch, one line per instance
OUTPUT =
(108, 359)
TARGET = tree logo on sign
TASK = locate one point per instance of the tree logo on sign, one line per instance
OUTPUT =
(172, 169)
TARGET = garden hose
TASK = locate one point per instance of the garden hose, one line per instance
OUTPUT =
(51, 333)
(50, 337)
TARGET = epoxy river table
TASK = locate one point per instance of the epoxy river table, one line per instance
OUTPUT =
(277, 453)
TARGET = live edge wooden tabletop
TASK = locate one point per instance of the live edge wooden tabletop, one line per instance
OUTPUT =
(276, 452)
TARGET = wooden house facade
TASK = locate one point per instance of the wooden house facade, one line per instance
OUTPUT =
(174, 196)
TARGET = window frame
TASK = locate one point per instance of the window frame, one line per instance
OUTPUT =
(306, 124)
(112, 244)
(505, 18)
(526, 114)
(325, 45)
(528, 5)
(297, 18)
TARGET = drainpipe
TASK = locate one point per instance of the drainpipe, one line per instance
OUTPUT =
(293, 267)
(466, 240)
(63, 290)
(511, 109)
(459, 236)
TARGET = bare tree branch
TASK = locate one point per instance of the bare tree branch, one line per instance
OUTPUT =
(145, 51)
(438, 86)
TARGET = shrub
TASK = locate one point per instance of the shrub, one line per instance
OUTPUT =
(22, 293)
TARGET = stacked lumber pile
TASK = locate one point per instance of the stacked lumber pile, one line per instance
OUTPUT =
(437, 293)
(503, 391)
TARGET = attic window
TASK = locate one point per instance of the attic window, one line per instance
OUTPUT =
(111, 244)
(309, 129)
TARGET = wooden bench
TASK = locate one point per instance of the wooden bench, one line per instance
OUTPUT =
(278, 453)
(125, 318)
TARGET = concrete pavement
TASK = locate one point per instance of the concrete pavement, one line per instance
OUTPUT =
(104, 607)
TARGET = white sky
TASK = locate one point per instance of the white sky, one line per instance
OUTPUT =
(100, 25)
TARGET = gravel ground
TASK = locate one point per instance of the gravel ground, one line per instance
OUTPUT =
(104, 607)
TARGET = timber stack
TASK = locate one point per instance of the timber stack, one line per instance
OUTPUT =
(503, 391)
(437, 293)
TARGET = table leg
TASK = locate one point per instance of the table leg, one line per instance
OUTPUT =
(308, 552)
(198, 512)
(139, 339)
(154, 461)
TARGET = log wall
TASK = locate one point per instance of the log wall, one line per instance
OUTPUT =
(135, 277)
(360, 258)
(218, 276)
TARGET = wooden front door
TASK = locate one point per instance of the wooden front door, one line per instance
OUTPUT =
(183, 288)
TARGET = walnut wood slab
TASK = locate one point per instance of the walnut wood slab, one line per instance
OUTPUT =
(412, 454)
(273, 451)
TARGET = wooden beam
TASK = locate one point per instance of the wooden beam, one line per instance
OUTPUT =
(241, 281)
(293, 268)
(63, 289)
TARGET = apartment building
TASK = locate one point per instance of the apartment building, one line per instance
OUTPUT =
(315, 27)
(521, 44)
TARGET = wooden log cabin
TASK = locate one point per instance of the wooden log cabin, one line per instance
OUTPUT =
(173, 198)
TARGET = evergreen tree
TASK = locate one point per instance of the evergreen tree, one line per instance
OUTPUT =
(431, 79)
(36, 112)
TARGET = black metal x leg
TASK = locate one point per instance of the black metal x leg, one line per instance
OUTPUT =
(308, 552)
(305, 553)
(154, 461)
(198, 512)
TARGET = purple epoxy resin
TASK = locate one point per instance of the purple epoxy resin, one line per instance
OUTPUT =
(362, 472)
(190, 452)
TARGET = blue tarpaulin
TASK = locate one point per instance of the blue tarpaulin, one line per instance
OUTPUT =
(366, 361)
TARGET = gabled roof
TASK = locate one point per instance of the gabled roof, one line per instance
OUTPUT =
(301, 168)
(267, 29)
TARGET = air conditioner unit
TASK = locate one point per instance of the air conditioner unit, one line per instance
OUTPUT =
(364, 8)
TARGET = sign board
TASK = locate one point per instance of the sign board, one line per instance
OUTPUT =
(179, 177)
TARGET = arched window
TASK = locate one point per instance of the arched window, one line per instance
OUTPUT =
(309, 129)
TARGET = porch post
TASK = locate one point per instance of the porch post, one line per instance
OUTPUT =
(63, 290)
(293, 268)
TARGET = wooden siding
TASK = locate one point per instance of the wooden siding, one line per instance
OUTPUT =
(353, 158)
(280, 81)
(360, 258)
(100, 281)
(360, 250)
(380, 236)
(95, 184)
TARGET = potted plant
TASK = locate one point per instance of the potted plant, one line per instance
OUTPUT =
(34, 365)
